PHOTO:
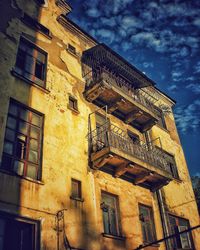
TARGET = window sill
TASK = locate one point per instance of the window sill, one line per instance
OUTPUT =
(77, 199)
(21, 177)
(73, 110)
(14, 73)
(115, 237)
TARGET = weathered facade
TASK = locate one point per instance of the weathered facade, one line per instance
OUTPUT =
(90, 155)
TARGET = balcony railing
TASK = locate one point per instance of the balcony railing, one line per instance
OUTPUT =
(139, 95)
(109, 135)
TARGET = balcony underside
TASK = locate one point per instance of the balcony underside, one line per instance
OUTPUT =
(130, 168)
(121, 105)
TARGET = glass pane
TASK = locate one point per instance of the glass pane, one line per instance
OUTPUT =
(21, 147)
(6, 162)
(24, 114)
(13, 109)
(23, 128)
(113, 222)
(30, 64)
(11, 122)
(41, 57)
(36, 119)
(10, 134)
(33, 156)
(18, 167)
(8, 147)
(33, 144)
(31, 171)
(35, 132)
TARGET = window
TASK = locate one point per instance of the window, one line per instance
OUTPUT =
(76, 189)
(147, 223)
(31, 62)
(110, 210)
(134, 138)
(161, 118)
(35, 25)
(73, 103)
(16, 233)
(176, 225)
(71, 49)
(23, 141)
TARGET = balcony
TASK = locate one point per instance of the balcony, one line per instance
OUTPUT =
(112, 81)
(113, 151)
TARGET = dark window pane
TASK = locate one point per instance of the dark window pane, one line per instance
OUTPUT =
(8, 147)
(39, 70)
(13, 109)
(20, 62)
(11, 122)
(10, 134)
(6, 162)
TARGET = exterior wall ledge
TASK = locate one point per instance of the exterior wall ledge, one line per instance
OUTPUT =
(14, 73)
(115, 237)
(21, 177)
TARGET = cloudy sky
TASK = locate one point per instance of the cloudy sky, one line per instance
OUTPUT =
(162, 39)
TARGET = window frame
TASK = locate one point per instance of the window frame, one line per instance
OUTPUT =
(176, 242)
(74, 102)
(105, 207)
(71, 49)
(21, 72)
(151, 224)
(77, 196)
(36, 224)
(25, 160)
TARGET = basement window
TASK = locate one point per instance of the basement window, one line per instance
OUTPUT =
(76, 192)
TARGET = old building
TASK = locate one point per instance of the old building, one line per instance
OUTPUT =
(90, 155)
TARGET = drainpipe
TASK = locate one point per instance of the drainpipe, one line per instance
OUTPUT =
(163, 217)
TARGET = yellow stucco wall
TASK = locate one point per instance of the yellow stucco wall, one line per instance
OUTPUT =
(65, 147)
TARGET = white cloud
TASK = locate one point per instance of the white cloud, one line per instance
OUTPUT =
(93, 12)
(188, 117)
(194, 87)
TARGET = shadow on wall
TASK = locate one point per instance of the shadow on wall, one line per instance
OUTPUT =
(22, 65)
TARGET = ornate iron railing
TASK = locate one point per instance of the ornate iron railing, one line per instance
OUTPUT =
(138, 95)
(111, 135)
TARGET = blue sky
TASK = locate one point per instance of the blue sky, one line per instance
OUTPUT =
(162, 39)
